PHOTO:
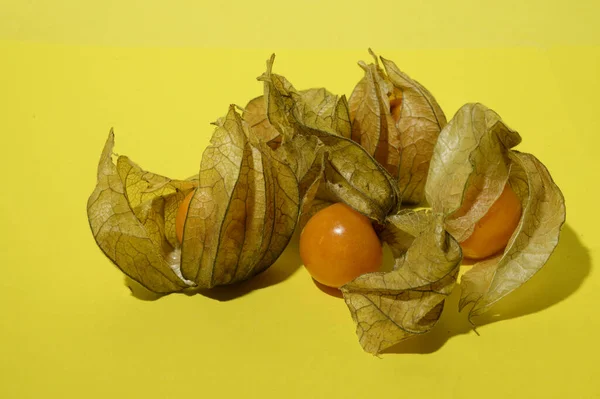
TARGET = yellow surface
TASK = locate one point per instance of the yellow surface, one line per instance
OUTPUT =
(69, 327)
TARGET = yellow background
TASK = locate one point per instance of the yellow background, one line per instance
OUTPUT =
(69, 71)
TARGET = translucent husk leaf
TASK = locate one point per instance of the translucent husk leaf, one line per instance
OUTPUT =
(470, 167)
(131, 215)
(402, 228)
(243, 212)
(421, 120)
(278, 101)
(402, 141)
(389, 307)
(531, 244)
(323, 110)
(372, 123)
(350, 175)
(255, 114)
(305, 155)
(472, 164)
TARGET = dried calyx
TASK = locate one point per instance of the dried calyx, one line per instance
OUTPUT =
(292, 153)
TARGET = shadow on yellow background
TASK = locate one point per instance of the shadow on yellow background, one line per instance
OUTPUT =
(562, 276)
(282, 269)
(564, 273)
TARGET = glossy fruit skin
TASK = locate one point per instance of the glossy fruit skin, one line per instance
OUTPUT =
(493, 231)
(181, 215)
(339, 244)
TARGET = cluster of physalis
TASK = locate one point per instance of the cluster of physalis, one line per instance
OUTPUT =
(382, 167)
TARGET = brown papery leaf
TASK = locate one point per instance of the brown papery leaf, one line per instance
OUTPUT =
(130, 213)
(470, 167)
(155, 201)
(402, 228)
(372, 123)
(305, 156)
(327, 110)
(278, 101)
(244, 211)
(350, 175)
(255, 114)
(323, 110)
(389, 307)
(398, 121)
(419, 121)
(531, 244)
